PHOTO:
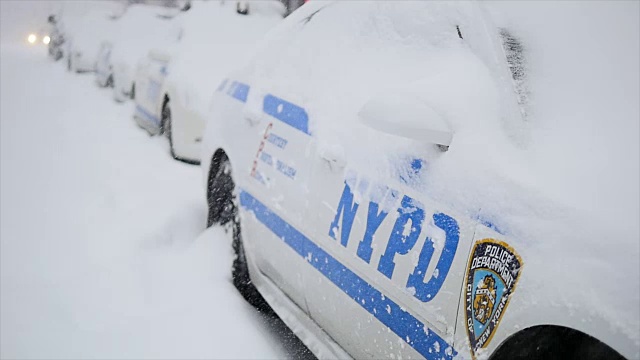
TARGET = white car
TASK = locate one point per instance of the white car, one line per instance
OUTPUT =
(174, 85)
(438, 179)
(140, 29)
(84, 36)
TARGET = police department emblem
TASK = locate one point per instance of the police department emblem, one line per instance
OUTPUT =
(492, 274)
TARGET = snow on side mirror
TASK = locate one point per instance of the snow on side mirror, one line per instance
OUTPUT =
(408, 117)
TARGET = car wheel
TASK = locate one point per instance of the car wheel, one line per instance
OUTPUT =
(223, 210)
(109, 82)
(133, 91)
(69, 63)
(240, 274)
(165, 125)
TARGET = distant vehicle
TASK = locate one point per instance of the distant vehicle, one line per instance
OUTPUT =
(84, 37)
(395, 192)
(55, 39)
(38, 38)
(139, 29)
(173, 85)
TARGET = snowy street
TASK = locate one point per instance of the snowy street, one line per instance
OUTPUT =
(103, 248)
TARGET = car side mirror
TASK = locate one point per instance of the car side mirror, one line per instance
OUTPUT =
(406, 116)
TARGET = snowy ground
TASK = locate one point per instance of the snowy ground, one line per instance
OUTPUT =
(103, 248)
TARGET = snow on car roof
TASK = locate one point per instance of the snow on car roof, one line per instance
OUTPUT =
(87, 31)
(344, 53)
(213, 33)
(140, 29)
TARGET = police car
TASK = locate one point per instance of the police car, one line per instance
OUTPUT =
(137, 31)
(173, 84)
(84, 36)
(437, 179)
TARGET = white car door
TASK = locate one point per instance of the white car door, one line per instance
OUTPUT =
(272, 177)
(390, 260)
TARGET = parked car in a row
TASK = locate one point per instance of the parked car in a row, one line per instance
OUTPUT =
(174, 84)
(138, 30)
(82, 48)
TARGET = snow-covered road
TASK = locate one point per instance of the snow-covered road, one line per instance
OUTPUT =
(103, 248)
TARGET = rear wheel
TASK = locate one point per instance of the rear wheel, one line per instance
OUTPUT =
(223, 210)
(550, 342)
(133, 91)
(165, 125)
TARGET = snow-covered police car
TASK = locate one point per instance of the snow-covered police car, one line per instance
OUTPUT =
(437, 179)
(174, 85)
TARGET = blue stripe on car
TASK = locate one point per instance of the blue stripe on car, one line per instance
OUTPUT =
(402, 323)
(238, 91)
(286, 112)
(147, 115)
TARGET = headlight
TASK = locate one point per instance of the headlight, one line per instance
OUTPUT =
(32, 38)
(46, 40)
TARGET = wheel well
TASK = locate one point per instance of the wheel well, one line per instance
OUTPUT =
(219, 192)
(165, 100)
(218, 157)
(553, 342)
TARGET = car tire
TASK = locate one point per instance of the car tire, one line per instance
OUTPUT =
(69, 64)
(165, 125)
(223, 211)
(133, 91)
(220, 185)
(240, 274)
(109, 82)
